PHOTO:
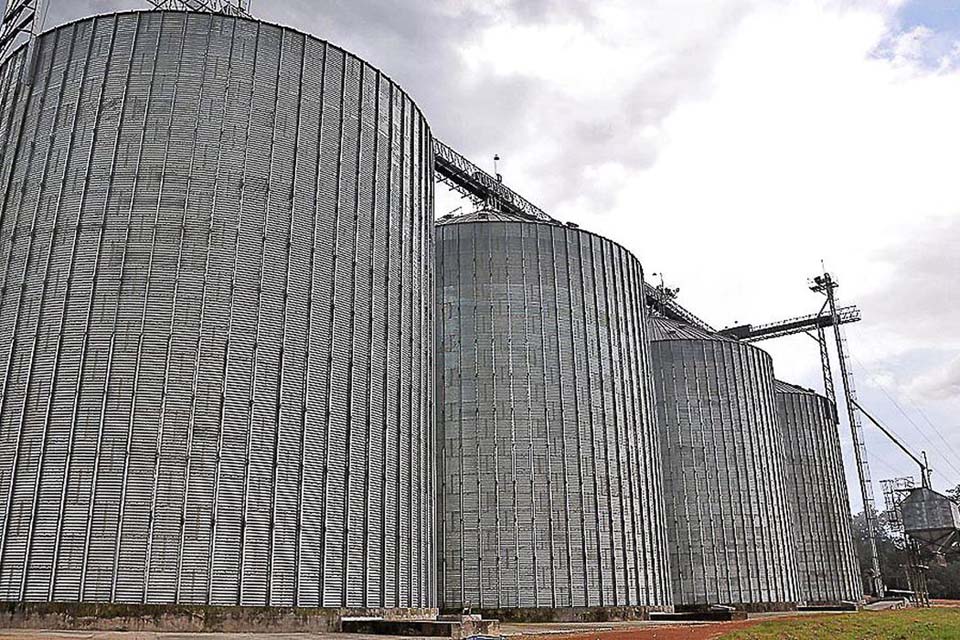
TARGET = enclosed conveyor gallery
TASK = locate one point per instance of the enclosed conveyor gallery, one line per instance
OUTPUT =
(550, 476)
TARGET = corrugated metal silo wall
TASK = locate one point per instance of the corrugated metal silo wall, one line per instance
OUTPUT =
(817, 492)
(550, 472)
(731, 538)
(216, 310)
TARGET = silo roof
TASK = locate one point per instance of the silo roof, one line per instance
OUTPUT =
(785, 387)
(483, 215)
(492, 215)
(662, 328)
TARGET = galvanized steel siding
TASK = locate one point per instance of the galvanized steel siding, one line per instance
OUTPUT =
(550, 474)
(216, 261)
(731, 540)
(817, 493)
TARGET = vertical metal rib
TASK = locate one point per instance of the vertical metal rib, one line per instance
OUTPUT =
(309, 407)
(21, 422)
(511, 403)
(563, 418)
(151, 524)
(298, 600)
(592, 422)
(284, 314)
(8, 505)
(624, 313)
(63, 311)
(345, 585)
(368, 419)
(411, 250)
(386, 343)
(228, 346)
(257, 330)
(192, 420)
(330, 342)
(551, 507)
(86, 330)
(173, 314)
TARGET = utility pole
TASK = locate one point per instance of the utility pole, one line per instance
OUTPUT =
(826, 285)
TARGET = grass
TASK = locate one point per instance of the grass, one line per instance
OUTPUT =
(903, 624)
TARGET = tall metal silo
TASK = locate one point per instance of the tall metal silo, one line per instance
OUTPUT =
(550, 478)
(216, 260)
(730, 529)
(817, 493)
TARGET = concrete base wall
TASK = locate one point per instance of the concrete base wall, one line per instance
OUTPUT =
(424, 628)
(422, 613)
(136, 617)
(829, 606)
(750, 607)
(567, 614)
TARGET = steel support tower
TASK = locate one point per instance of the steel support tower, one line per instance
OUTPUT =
(19, 17)
(826, 285)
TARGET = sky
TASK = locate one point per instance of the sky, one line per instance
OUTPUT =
(738, 147)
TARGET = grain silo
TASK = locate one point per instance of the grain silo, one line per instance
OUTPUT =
(827, 564)
(216, 310)
(730, 532)
(550, 478)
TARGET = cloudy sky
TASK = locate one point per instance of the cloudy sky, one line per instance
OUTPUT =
(732, 145)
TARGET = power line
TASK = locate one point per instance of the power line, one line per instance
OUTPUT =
(923, 434)
(933, 447)
(913, 403)
(923, 414)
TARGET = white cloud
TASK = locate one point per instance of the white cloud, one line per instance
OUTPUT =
(942, 383)
(811, 131)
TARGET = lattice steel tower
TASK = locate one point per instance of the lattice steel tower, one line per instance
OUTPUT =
(826, 285)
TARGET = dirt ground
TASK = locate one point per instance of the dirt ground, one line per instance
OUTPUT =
(672, 631)
(621, 631)
(553, 631)
(946, 603)
(643, 631)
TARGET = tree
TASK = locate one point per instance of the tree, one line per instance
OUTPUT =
(943, 579)
(890, 551)
(954, 494)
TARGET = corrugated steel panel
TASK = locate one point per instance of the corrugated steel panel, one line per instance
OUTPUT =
(216, 265)
(549, 478)
(728, 519)
(818, 498)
